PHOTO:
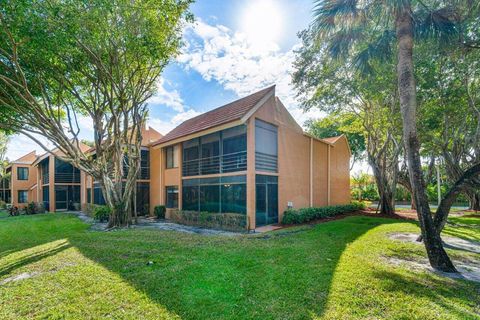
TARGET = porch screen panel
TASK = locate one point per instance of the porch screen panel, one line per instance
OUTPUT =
(266, 146)
(215, 195)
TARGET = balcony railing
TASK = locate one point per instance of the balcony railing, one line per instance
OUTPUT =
(266, 162)
(143, 173)
(61, 177)
(218, 164)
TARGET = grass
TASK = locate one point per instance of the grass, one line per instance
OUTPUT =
(3, 213)
(334, 270)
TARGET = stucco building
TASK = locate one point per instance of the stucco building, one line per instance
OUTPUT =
(248, 157)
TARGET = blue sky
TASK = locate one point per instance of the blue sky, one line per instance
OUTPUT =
(233, 49)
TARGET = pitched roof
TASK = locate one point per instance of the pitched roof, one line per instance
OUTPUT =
(332, 139)
(230, 112)
(29, 158)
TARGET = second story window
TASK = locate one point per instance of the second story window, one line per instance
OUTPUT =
(172, 157)
(22, 173)
(266, 146)
(219, 152)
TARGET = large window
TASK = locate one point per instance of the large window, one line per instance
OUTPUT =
(144, 165)
(143, 198)
(222, 194)
(44, 171)
(22, 196)
(171, 154)
(67, 197)
(46, 197)
(65, 172)
(266, 146)
(219, 152)
(22, 173)
(98, 194)
(172, 197)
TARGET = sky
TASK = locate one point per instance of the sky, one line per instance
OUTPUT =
(234, 48)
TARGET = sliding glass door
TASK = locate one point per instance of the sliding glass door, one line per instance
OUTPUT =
(266, 191)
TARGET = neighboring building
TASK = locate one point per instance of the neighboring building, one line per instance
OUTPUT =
(59, 183)
(248, 157)
(23, 178)
(93, 189)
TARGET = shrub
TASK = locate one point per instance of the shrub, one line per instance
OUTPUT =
(3, 204)
(224, 221)
(101, 213)
(31, 208)
(159, 212)
(88, 209)
(293, 216)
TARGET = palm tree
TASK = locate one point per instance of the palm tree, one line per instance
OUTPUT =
(362, 30)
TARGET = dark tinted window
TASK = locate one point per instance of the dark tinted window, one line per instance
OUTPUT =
(172, 197)
(22, 196)
(22, 173)
(266, 146)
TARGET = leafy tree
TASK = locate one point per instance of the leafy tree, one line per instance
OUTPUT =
(337, 124)
(362, 32)
(369, 106)
(101, 59)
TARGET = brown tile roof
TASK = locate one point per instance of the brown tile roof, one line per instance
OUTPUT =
(230, 112)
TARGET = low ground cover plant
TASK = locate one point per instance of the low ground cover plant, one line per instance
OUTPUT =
(159, 212)
(101, 213)
(296, 216)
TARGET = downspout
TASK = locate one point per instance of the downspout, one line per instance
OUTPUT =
(328, 175)
(311, 172)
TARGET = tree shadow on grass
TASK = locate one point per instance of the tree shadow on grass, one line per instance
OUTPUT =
(203, 277)
(433, 290)
(34, 256)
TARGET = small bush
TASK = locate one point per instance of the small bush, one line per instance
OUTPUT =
(101, 213)
(293, 216)
(31, 208)
(159, 212)
(3, 204)
(88, 209)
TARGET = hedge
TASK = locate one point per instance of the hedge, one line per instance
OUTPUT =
(293, 216)
(224, 221)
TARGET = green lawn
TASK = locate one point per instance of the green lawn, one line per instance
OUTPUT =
(335, 270)
(3, 213)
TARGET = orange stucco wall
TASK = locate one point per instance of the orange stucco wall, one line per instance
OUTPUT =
(303, 174)
(340, 172)
(28, 185)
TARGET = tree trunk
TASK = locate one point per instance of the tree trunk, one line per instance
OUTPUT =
(386, 196)
(406, 86)
(474, 201)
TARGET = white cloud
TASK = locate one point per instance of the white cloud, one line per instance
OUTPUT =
(164, 127)
(19, 145)
(220, 54)
(169, 98)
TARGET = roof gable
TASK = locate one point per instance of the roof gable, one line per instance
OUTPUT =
(240, 109)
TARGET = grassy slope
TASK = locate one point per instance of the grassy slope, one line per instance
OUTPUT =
(335, 270)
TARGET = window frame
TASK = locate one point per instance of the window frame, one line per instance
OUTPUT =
(172, 189)
(23, 169)
(19, 198)
(173, 156)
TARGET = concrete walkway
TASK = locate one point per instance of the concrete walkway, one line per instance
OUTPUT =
(149, 223)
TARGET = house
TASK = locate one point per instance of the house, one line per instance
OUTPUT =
(23, 180)
(249, 157)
